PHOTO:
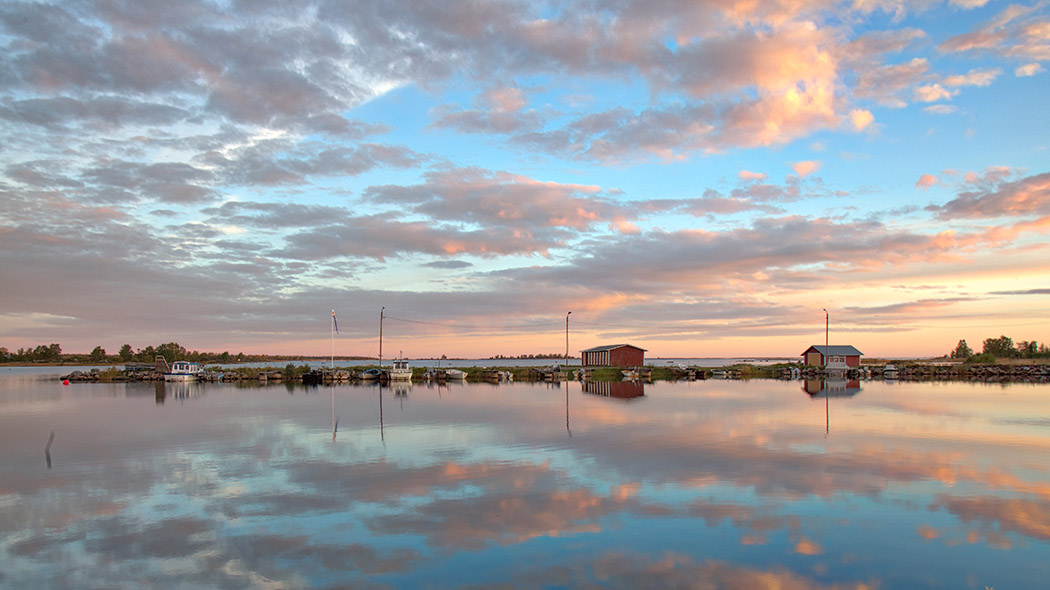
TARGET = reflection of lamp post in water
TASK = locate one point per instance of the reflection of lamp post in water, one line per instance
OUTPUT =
(567, 338)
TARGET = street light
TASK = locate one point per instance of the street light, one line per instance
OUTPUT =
(567, 338)
(827, 321)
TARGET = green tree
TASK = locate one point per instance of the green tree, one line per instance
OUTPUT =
(145, 355)
(1000, 347)
(125, 353)
(962, 350)
(1027, 349)
(49, 353)
(172, 351)
(97, 355)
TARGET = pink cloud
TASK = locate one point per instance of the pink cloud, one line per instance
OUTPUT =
(1028, 70)
(747, 175)
(973, 78)
(861, 118)
(933, 92)
(926, 181)
(803, 169)
(999, 198)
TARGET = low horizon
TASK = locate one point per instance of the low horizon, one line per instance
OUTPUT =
(711, 179)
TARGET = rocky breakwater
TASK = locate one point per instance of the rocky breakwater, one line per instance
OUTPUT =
(1026, 373)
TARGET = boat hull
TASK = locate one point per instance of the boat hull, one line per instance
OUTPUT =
(180, 377)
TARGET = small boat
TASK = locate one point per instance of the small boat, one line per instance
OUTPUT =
(184, 371)
(629, 373)
(890, 372)
(400, 371)
(370, 374)
(455, 374)
(313, 377)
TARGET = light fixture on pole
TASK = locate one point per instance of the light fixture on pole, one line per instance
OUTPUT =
(827, 322)
(567, 337)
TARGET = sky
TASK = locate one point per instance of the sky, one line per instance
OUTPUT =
(699, 178)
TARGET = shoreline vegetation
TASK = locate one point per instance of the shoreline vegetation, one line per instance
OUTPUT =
(1000, 359)
(1011, 370)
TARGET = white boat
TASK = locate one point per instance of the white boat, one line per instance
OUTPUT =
(890, 372)
(400, 371)
(369, 375)
(455, 374)
(629, 373)
(184, 371)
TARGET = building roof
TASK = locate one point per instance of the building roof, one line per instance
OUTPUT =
(834, 349)
(611, 347)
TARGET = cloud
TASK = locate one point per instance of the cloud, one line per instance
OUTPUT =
(926, 181)
(805, 168)
(973, 78)
(1028, 196)
(940, 109)
(885, 83)
(861, 119)
(1028, 70)
(746, 175)
(1016, 32)
(933, 93)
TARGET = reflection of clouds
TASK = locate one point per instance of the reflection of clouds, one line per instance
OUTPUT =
(627, 570)
(472, 523)
(1023, 516)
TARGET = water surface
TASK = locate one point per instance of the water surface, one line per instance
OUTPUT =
(716, 484)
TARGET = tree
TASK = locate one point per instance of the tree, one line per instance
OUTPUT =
(1027, 349)
(1000, 347)
(145, 355)
(125, 353)
(962, 351)
(172, 351)
(97, 355)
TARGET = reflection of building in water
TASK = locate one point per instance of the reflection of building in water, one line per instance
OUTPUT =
(617, 389)
(833, 387)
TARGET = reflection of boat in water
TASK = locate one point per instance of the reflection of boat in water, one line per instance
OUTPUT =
(183, 371)
(400, 371)
(177, 390)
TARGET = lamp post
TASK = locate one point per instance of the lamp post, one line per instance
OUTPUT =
(567, 338)
(827, 322)
(381, 310)
(827, 393)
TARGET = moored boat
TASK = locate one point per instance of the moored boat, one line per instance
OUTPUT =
(400, 371)
(184, 371)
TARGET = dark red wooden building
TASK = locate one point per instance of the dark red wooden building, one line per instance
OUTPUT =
(614, 355)
(836, 355)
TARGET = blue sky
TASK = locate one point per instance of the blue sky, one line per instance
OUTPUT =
(696, 178)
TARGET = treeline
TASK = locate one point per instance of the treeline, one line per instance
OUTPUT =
(1001, 347)
(172, 351)
(542, 355)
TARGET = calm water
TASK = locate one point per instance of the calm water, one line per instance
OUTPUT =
(717, 484)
